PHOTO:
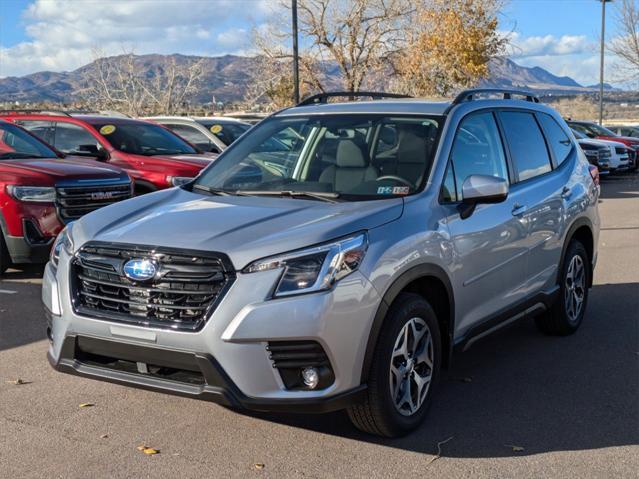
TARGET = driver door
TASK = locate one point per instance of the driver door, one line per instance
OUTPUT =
(490, 246)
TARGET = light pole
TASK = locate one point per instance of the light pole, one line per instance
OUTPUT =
(601, 59)
(296, 67)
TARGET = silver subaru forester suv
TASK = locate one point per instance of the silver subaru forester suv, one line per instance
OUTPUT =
(334, 258)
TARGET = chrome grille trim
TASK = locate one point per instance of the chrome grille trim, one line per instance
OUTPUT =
(187, 288)
(73, 202)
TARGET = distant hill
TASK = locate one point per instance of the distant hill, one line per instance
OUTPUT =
(227, 77)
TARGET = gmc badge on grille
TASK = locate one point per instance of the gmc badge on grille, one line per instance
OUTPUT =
(101, 195)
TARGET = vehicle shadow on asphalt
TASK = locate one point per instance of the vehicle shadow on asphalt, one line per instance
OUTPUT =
(521, 388)
(620, 187)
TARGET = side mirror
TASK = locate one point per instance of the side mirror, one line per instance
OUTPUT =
(478, 189)
(93, 150)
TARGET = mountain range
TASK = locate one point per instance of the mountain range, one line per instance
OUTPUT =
(227, 78)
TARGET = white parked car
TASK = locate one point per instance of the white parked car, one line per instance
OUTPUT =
(619, 153)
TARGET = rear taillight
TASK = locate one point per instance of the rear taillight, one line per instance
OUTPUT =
(594, 174)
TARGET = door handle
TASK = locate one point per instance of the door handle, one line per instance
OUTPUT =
(519, 209)
(566, 192)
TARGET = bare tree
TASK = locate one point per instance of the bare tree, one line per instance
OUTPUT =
(626, 46)
(356, 36)
(122, 83)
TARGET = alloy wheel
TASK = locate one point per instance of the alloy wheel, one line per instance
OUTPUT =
(411, 368)
(575, 288)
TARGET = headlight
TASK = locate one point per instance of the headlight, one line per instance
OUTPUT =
(314, 269)
(178, 180)
(63, 241)
(41, 194)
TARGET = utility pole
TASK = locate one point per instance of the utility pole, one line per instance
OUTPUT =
(601, 59)
(296, 67)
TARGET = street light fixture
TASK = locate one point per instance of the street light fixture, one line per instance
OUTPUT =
(601, 59)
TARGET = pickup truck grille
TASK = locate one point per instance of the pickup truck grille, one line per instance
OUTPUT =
(187, 287)
(621, 150)
(75, 201)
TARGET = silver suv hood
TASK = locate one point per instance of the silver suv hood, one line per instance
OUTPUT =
(246, 228)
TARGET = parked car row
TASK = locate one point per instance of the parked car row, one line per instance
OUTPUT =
(56, 166)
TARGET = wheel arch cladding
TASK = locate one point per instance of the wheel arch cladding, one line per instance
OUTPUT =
(432, 283)
(580, 230)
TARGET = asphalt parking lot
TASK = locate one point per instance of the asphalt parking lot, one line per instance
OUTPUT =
(518, 404)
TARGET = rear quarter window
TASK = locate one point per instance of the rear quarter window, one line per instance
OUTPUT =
(527, 145)
(558, 141)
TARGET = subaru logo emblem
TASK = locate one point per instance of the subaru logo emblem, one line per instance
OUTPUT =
(140, 269)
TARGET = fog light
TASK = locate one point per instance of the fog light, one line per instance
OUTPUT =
(310, 377)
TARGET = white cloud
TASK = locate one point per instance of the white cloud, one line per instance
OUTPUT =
(548, 45)
(62, 33)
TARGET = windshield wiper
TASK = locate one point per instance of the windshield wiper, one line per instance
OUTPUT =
(212, 191)
(321, 196)
(16, 155)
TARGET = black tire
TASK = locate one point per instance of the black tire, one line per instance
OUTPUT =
(5, 260)
(558, 320)
(378, 414)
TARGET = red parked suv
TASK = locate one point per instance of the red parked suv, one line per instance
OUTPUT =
(154, 156)
(40, 191)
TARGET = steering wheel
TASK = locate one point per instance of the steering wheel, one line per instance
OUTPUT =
(395, 178)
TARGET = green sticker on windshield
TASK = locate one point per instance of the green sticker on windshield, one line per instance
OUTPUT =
(107, 129)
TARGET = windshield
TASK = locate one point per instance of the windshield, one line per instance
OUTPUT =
(592, 130)
(227, 132)
(144, 139)
(579, 135)
(15, 143)
(342, 156)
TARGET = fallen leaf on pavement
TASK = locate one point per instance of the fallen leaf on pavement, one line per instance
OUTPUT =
(259, 465)
(515, 448)
(148, 450)
(104, 436)
(86, 404)
(18, 382)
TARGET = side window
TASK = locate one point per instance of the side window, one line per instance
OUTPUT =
(449, 193)
(191, 135)
(41, 129)
(558, 141)
(477, 150)
(70, 138)
(527, 144)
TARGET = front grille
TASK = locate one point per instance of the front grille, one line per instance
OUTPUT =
(621, 151)
(75, 201)
(604, 154)
(183, 293)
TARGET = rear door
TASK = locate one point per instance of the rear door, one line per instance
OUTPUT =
(538, 149)
(490, 246)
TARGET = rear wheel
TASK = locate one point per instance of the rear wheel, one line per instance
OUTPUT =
(404, 372)
(5, 260)
(568, 312)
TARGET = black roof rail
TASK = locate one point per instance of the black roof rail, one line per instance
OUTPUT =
(321, 98)
(15, 111)
(468, 95)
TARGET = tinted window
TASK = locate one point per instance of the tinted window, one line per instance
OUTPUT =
(70, 138)
(143, 139)
(558, 141)
(527, 145)
(190, 134)
(42, 129)
(477, 150)
(227, 132)
(16, 143)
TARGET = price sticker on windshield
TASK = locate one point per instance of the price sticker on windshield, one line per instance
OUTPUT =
(215, 129)
(107, 129)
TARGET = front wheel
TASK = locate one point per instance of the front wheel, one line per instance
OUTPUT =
(568, 312)
(405, 370)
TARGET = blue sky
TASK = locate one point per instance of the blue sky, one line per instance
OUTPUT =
(35, 35)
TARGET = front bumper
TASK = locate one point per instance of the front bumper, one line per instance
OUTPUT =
(230, 351)
(22, 251)
(217, 387)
